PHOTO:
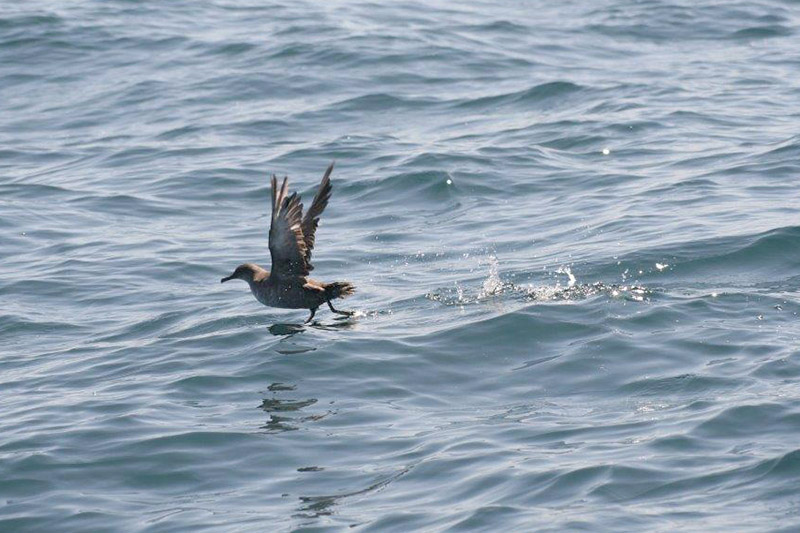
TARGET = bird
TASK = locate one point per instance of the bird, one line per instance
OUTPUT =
(291, 240)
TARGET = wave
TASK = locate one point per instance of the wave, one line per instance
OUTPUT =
(380, 102)
(536, 95)
(751, 259)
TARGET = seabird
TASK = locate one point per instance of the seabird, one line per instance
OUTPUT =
(291, 239)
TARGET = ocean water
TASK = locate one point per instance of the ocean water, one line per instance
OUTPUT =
(574, 228)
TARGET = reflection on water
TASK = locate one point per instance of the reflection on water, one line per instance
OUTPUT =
(280, 386)
(338, 323)
(316, 506)
(280, 409)
(285, 329)
(278, 424)
(275, 405)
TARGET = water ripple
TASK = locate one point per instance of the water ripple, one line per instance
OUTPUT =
(572, 228)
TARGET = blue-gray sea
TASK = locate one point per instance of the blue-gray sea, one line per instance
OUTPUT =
(574, 229)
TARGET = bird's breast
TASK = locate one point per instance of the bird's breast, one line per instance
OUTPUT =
(287, 296)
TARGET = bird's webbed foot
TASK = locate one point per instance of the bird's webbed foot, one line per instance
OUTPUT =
(345, 313)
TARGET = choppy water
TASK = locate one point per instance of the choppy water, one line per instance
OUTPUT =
(574, 227)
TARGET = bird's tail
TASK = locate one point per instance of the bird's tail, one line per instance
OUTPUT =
(339, 289)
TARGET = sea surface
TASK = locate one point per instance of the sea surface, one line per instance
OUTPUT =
(574, 229)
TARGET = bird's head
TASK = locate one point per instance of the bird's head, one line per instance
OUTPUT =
(247, 272)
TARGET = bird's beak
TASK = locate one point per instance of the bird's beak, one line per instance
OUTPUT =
(223, 280)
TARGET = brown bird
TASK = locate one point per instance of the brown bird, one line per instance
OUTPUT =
(291, 239)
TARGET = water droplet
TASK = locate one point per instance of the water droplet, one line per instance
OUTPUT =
(492, 284)
(570, 275)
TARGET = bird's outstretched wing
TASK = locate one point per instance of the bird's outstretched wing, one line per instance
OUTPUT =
(287, 245)
(311, 218)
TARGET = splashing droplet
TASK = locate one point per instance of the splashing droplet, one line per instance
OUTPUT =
(459, 293)
(492, 284)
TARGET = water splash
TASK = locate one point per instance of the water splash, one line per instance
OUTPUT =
(571, 277)
(460, 292)
(492, 285)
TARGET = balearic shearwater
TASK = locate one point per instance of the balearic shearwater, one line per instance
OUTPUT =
(291, 239)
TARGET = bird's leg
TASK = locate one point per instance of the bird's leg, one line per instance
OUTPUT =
(313, 312)
(345, 313)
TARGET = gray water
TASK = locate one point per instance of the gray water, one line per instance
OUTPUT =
(573, 227)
